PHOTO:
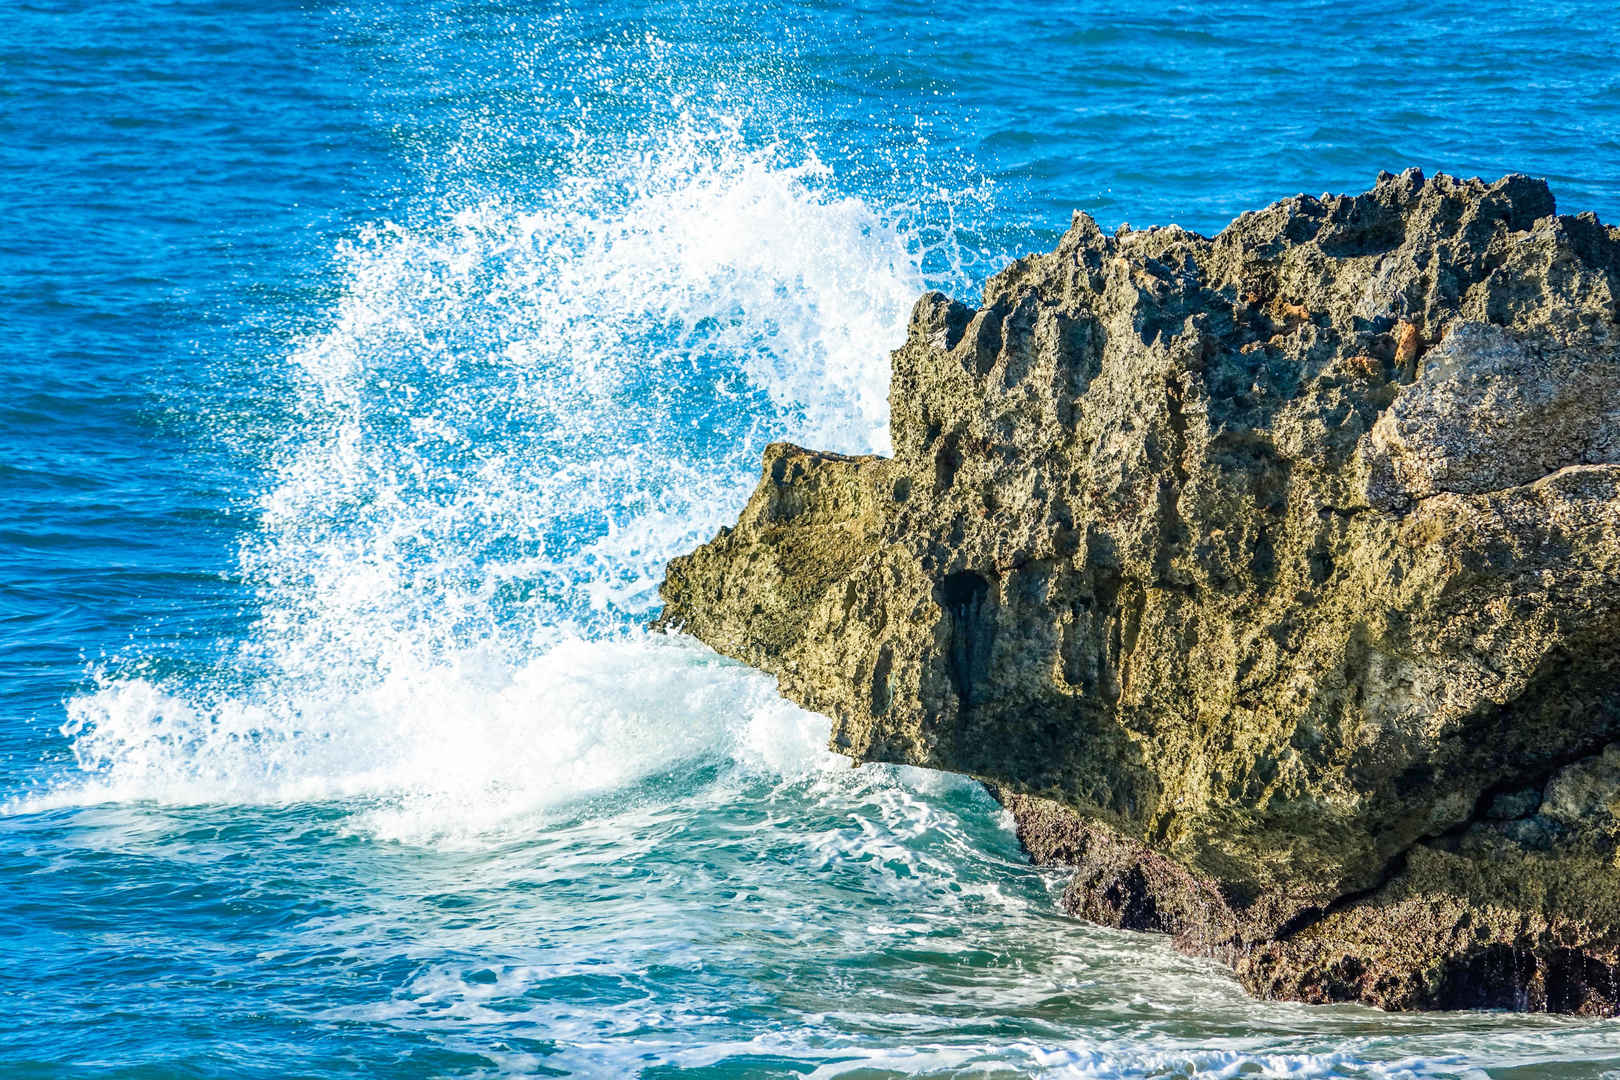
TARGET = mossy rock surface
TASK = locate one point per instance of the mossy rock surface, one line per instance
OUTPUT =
(1283, 564)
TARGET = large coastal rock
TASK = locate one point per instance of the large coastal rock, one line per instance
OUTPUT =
(1271, 579)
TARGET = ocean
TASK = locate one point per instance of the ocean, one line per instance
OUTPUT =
(363, 364)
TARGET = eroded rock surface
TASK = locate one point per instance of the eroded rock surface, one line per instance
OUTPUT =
(1282, 568)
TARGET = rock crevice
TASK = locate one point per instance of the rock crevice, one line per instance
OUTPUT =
(1272, 579)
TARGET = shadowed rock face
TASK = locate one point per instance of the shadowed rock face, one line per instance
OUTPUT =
(1272, 579)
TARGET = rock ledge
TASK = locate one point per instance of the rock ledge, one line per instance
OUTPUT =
(1271, 579)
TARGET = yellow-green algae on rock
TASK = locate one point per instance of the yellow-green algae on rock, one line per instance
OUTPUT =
(1271, 579)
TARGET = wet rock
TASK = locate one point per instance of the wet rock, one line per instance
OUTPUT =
(1281, 562)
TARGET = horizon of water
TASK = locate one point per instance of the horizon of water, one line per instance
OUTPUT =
(365, 364)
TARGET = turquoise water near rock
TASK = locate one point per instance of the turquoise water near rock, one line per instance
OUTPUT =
(363, 364)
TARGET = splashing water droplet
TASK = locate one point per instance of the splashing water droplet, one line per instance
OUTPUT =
(515, 415)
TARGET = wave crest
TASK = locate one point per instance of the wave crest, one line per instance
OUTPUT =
(518, 411)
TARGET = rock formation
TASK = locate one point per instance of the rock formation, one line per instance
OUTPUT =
(1271, 579)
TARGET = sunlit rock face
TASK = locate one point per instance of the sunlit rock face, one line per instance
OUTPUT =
(1272, 579)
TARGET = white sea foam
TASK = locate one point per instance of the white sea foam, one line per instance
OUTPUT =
(516, 414)
(449, 750)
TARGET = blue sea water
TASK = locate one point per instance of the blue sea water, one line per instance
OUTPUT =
(363, 364)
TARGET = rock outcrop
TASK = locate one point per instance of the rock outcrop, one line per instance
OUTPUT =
(1272, 580)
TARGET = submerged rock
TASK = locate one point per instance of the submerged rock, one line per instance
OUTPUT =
(1272, 579)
